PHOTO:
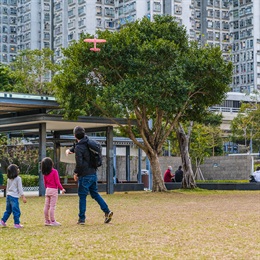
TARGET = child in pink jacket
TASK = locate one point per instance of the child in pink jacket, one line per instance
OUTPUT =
(52, 184)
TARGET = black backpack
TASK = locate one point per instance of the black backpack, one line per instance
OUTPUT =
(95, 151)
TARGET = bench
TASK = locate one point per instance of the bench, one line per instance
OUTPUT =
(3, 187)
(72, 187)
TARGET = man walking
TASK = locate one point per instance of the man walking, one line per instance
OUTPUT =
(86, 176)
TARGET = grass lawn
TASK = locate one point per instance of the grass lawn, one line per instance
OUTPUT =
(174, 225)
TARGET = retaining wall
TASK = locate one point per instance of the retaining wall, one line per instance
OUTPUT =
(213, 168)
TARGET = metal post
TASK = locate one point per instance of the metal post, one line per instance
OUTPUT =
(148, 167)
(110, 157)
(139, 166)
(114, 161)
(56, 152)
(127, 153)
(42, 154)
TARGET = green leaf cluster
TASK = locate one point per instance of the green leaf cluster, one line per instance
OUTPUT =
(32, 71)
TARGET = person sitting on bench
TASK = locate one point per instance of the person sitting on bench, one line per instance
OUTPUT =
(255, 176)
(179, 174)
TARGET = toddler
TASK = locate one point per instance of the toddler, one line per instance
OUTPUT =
(14, 191)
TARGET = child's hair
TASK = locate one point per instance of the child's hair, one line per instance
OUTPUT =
(12, 171)
(46, 165)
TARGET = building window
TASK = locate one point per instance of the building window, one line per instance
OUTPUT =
(46, 17)
(46, 7)
(210, 13)
(70, 12)
(71, 24)
(109, 2)
(177, 9)
(109, 12)
(157, 6)
(58, 6)
(109, 24)
(46, 36)
(81, 10)
(82, 22)
(12, 48)
(99, 22)
(70, 36)
(210, 24)
(99, 10)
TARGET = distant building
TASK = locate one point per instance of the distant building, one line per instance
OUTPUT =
(232, 25)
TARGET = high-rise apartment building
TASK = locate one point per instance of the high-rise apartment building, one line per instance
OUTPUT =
(234, 25)
(24, 24)
(245, 35)
(73, 18)
(8, 35)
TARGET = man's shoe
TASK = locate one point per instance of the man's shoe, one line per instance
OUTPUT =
(108, 217)
(2, 223)
(81, 222)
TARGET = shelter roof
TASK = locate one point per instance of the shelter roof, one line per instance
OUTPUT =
(23, 112)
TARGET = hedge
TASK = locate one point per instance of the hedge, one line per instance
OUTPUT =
(28, 180)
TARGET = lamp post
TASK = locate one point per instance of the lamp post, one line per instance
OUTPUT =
(169, 148)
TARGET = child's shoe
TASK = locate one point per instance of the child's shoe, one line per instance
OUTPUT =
(2, 223)
(55, 223)
(47, 223)
(18, 226)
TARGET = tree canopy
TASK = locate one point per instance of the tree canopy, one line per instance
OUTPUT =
(147, 71)
(245, 126)
(32, 71)
(5, 78)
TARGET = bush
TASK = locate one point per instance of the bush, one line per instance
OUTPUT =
(28, 180)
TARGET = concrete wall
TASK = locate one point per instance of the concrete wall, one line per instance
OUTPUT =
(218, 167)
(227, 167)
(214, 168)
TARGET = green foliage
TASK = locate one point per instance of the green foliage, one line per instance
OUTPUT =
(246, 125)
(32, 71)
(27, 180)
(30, 180)
(5, 78)
(25, 156)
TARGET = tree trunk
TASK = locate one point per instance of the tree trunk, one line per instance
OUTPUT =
(158, 183)
(188, 181)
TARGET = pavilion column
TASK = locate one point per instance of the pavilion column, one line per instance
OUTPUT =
(42, 154)
(127, 152)
(139, 177)
(110, 158)
(56, 154)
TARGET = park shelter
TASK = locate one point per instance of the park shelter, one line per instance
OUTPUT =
(32, 115)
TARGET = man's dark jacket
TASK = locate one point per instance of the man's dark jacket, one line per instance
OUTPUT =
(82, 156)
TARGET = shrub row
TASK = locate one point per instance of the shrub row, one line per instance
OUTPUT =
(28, 180)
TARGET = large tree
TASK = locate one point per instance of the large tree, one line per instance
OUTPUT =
(147, 71)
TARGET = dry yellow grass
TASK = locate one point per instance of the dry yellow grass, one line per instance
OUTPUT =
(173, 225)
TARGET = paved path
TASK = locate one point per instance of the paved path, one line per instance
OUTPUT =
(33, 193)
